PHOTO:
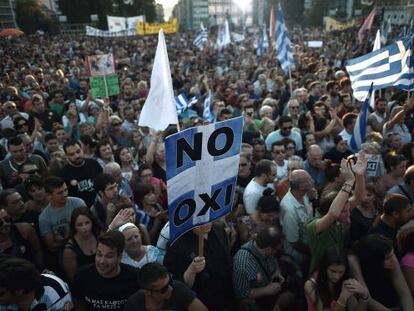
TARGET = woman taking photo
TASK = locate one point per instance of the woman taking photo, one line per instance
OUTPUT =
(80, 250)
(135, 253)
(330, 289)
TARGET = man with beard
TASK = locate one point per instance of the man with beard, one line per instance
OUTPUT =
(79, 173)
(46, 117)
(107, 284)
(377, 119)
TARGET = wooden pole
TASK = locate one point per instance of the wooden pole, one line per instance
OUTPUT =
(106, 86)
(290, 82)
(201, 244)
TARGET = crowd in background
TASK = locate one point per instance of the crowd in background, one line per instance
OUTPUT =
(315, 225)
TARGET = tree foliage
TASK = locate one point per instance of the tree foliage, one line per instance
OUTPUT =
(30, 17)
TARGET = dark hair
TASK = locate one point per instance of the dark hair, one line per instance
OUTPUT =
(286, 141)
(277, 143)
(14, 141)
(117, 154)
(83, 211)
(268, 202)
(102, 180)
(332, 170)
(338, 139)
(326, 202)
(4, 195)
(264, 167)
(87, 140)
(331, 256)
(225, 111)
(270, 236)
(348, 118)
(53, 182)
(284, 119)
(113, 239)
(18, 274)
(288, 301)
(392, 159)
(395, 202)
(150, 273)
(33, 180)
(141, 190)
(102, 142)
(258, 141)
(371, 252)
(70, 143)
(49, 136)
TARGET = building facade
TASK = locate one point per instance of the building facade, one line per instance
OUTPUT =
(7, 16)
(190, 13)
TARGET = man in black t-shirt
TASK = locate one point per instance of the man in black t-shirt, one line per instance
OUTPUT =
(161, 292)
(79, 173)
(107, 284)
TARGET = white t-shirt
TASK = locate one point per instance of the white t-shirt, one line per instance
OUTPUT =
(252, 194)
(282, 170)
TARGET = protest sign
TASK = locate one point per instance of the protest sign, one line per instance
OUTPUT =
(99, 89)
(153, 29)
(334, 25)
(315, 44)
(202, 166)
(101, 65)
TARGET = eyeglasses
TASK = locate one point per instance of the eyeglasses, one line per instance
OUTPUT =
(5, 220)
(278, 152)
(287, 128)
(242, 164)
(164, 289)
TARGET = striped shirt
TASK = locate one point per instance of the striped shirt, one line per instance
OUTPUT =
(52, 295)
(252, 270)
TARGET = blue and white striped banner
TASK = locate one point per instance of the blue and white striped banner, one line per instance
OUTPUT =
(182, 103)
(390, 66)
(359, 132)
(263, 43)
(282, 43)
(202, 166)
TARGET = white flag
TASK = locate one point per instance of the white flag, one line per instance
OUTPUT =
(377, 46)
(159, 109)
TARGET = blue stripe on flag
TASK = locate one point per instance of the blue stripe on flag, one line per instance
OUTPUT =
(389, 66)
(170, 144)
(282, 43)
(359, 132)
(225, 203)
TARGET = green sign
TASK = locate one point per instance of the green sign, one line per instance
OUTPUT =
(98, 86)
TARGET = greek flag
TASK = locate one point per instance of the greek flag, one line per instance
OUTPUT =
(390, 66)
(182, 103)
(207, 111)
(358, 134)
(263, 44)
(282, 43)
(201, 38)
(201, 170)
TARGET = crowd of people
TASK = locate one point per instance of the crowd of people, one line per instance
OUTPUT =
(315, 225)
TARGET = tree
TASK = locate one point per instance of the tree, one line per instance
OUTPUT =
(318, 11)
(30, 17)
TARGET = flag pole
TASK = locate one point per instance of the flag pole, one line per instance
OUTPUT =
(106, 86)
(290, 81)
(201, 244)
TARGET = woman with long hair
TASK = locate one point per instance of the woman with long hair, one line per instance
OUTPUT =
(135, 253)
(80, 250)
(329, 288)
(375, 264)
(124, 158)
